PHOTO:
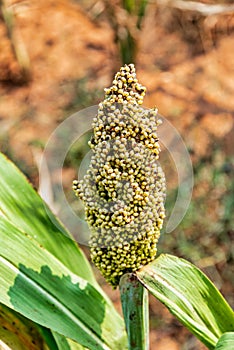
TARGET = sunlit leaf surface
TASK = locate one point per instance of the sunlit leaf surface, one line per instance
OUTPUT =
(190, 296)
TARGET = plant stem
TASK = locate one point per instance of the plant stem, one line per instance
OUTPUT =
(135, 306)
(17, 43)
(126, 28)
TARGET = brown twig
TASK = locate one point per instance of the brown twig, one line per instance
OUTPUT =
(203, 9)
(16, 40)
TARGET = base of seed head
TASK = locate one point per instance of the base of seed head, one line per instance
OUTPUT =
(124, 188)
(114, 261)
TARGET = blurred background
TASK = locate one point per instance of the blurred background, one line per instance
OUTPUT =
(56, 57)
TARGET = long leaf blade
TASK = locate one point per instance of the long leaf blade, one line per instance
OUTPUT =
(20, 204)
(37, 285)
(190, 296)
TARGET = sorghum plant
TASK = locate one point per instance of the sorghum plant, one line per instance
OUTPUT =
(49, 297)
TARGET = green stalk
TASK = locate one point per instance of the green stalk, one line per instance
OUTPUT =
(135, 306)
(127, 31)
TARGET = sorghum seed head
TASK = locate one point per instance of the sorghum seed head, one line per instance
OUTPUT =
(124, 188)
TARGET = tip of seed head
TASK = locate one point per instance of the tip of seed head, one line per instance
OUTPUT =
(125, 86)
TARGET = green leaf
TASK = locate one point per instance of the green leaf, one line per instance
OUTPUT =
(23, 206)
(48, 337)
(25, 209)
(226, 341)
(56, 341)
(39, 286)
(135, 305)
(62, 342)
(190, 296)
(66, 344)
